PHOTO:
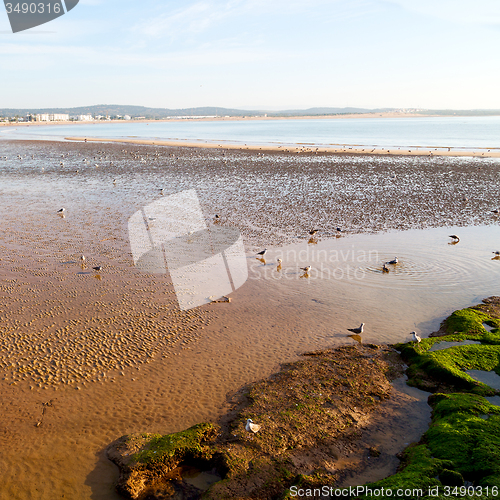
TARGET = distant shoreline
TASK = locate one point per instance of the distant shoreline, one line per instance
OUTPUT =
(228, 118)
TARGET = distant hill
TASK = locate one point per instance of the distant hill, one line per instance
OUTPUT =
(327, 111)
(117, 109)
(156, 113)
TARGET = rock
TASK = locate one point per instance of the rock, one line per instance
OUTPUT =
(147, 459)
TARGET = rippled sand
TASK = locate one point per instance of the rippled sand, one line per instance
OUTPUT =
(110, 351)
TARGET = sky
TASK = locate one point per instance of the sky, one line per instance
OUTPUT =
(257, 54)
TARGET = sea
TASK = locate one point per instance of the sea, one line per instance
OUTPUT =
(458, 132)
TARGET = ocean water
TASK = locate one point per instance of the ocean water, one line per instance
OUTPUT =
(438, 132)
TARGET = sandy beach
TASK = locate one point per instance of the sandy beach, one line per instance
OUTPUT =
(95, 355)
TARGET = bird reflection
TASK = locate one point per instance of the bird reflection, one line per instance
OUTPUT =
(357, 338)
(306, 271)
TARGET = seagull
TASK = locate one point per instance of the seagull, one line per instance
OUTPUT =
(496, 211)
(306, 269)
(82, 258)
(339, 230)
(454, 237)
(251, 427)
(61, 210)
(416, 338)
(114, 181)
(357, 330)
(393, 261)
(161, 191)
(385, 269)
(312, 232)
(262, 253)
(97, 268)
(279, 261)
(497, 253)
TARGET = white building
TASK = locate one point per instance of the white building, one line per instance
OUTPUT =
(52, 117)
(84, 118)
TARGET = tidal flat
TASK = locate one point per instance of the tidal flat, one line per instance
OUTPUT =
(95, 356)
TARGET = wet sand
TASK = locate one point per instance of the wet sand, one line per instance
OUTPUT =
(111, 351)
(333, 149)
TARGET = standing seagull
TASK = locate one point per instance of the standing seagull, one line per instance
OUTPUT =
(97, 268)
(357, 330)
(312, 232)
(496, 211)
(61, 210)
(306, 269)
(416, 338)
(393, 261)
(497, 253)
(251, 427)
(262, 253)
(82, 258)
(455, 238)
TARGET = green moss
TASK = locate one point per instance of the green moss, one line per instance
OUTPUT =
(451, 478)
(466, 429)
(432, 371)
(468, 321)
(463, 442)
(161, 448)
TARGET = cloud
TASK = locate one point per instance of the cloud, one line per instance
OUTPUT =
(193, 19)
(202, 15)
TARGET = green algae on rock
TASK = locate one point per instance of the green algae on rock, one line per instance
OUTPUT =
(463, 440)
(443, 371)
(145, 460)
(462, 444)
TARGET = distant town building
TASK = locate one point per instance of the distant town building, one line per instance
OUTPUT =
(45, 117)
(127, 117)
(84, 118)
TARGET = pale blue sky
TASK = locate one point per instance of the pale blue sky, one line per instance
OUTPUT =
(265, 54)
